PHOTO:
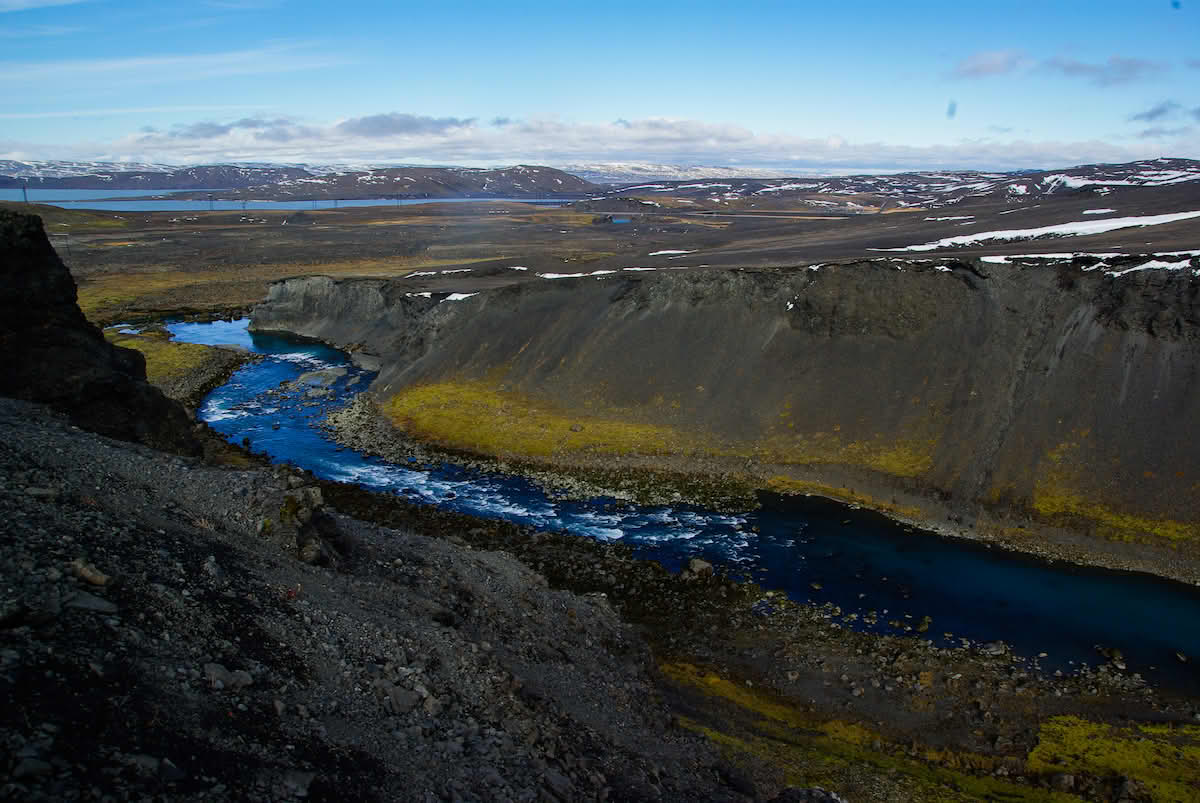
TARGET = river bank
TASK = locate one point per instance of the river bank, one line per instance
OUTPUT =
(170, 565)
(185, 372)
(734, 486)
(950, 722)
(851, 381)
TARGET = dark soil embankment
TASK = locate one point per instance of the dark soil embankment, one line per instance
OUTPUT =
(1053, 410)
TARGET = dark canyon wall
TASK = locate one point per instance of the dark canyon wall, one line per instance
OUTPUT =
(993, 392)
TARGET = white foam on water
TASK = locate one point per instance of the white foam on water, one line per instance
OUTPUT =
(370, 475)
(301, 358)
(661, 537)
(611, 519)
(603, 533)
(213, 411)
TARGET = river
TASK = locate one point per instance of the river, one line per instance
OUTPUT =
(875, 570)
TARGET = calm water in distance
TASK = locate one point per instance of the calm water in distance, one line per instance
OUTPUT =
(82, 199)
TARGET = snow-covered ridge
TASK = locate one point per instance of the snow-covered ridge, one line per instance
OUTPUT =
(927, 187)
(1073, 229)
(1112, 263)
(64, 169)
(634, 172)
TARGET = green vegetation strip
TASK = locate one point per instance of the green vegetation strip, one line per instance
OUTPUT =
(165, 360)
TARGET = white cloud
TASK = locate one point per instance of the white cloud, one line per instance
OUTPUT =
(24, 5)
(424, 140)
(277, 58)
(1157, 112)
(39, 31)
(989, 62)
(69, 113)
(244, 5)
(1117, 70)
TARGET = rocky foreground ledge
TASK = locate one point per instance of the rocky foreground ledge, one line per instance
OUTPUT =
(161, 639)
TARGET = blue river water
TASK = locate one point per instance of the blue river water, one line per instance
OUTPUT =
(86, 199)
(876, 571)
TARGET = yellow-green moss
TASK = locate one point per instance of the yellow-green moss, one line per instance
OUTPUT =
(1165, 758)
(165, 360)
(289, 510)
(61, 221)
(902, 457)
(474, 416)
(788, 485)
(1055, 495)
(113, 296)
(1052, 498)
(809, 749)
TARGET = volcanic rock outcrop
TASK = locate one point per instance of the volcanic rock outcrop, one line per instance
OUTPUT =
(56, 357)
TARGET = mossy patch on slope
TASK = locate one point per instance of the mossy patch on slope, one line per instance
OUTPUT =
(476, 416)
(1056, 495)
(809, 749)
(59, 221)
(165, 360)
(1166, 758)
(473, 416)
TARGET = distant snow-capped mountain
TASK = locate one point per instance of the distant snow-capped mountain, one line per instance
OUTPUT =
(69, 169)
(633, 172)
(925, 187)
(299, 182)
(129, 176)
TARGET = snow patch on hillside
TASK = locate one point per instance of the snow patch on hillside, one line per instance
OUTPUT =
(1075, 229)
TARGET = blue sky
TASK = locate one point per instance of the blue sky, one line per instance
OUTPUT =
(805, 86)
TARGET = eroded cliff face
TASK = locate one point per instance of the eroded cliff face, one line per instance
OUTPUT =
(54, 356)
(998, 396)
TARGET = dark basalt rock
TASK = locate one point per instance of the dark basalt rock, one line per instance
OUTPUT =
(53, 355)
